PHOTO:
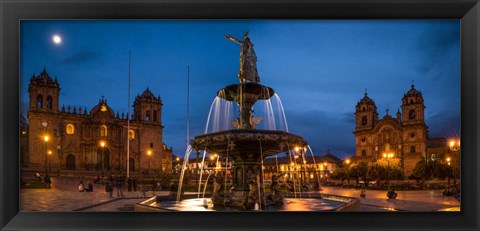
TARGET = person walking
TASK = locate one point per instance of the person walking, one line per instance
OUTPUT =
(129, 182)
(134, 182)
(118, 186)
(144, 190)
(109, 189)
(89, 187)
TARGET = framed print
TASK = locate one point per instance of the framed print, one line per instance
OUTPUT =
(145, 115)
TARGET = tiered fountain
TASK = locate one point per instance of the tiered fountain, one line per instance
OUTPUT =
(247, 147)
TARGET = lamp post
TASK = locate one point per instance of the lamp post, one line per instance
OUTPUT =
(454, 145)
(102, 145)
(46, 138)
(448, 176)
(178, 163)
(388, 156)
(59, 159)
(49, 160)
(348, 171)
(149, 153)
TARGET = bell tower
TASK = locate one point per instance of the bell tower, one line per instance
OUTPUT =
(44, 93)
(366, 115)
(413, 108)
(147, 108)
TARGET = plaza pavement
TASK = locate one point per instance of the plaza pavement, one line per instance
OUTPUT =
(418, 201)
(64, 196)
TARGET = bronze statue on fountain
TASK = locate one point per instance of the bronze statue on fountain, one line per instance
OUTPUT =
(246, 145)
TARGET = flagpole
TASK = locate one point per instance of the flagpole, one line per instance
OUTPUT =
(188, 104)
(128, 120)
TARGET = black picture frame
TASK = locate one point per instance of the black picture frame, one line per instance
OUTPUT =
(12, 11)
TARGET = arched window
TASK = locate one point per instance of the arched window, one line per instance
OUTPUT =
(39, 101)
(147, 115)
(412, 149)
(131, 135)
(364, 153)
(49, 102)
(70, 129)
(155, 116)
(103, 131)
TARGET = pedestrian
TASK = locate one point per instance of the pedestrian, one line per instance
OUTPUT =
(118, 186)
(134, 182)
(129, 182)
(38, 177)
(144, 190)
(47, 180)
(96, 179)
(81, 187)
(362, 194)
(109, 189)
(89, 187)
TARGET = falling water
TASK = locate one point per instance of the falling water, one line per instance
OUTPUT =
(281, 111)
(182, 174)
(220, 114)
(201, 172)
(206, 183)
(315, 164)
(272, 112)
(293, 176)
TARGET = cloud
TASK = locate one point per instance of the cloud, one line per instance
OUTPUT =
(435, 44)
(80, 57)
(445, 123)
(324, 130)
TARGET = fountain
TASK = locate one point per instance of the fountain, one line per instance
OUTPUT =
(246, 147)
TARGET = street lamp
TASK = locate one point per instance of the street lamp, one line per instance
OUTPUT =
(102, 144)
(347, 161)
(454, 145)
(46, 138)
(49, 160)
(149, 153)
(177, 160)
(388, 156)
(448, 176)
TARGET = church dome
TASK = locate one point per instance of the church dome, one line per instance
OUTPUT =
(366, 99)
(366, 103)
(413, 92)
(102, 107)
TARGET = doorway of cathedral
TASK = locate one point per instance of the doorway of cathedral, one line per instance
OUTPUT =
(105, 152)
(70, 162)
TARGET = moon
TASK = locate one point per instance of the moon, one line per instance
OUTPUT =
(57, 39)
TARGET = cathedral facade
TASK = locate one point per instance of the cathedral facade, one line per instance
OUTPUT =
(92, 140)
(405, 135)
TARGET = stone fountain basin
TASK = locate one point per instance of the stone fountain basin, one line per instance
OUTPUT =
(247, 142)
(231, 92)
(329, 203)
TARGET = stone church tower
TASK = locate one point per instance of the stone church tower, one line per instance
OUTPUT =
(73, 138)
(405, 136)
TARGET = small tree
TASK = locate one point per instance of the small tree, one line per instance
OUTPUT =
(339, 174)
(359, 171)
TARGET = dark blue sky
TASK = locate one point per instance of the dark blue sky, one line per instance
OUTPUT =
(319, 69)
